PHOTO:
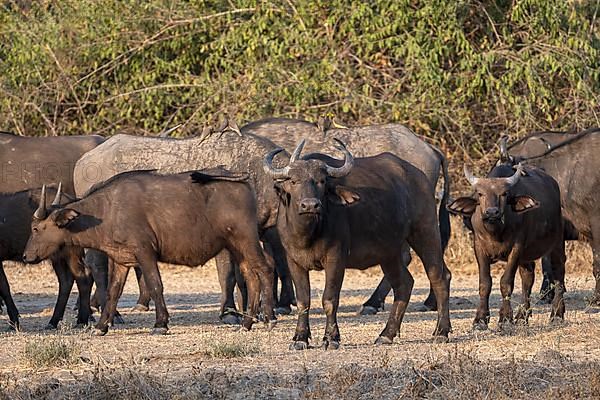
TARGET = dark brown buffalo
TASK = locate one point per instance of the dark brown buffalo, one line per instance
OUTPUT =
(16, 211)
(362, 141)
(572, 160)
(357, 215)
(140, 218)
(29, 162)
(516, 219)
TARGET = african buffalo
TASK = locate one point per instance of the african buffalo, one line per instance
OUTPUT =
(365, 141)
(243, 153)
(516, 219)
(571, 160)
(16, 213)
(357, 215)
(29, 162)
(140, 218)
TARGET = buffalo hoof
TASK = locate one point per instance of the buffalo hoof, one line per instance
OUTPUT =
(298, 345)
(140, 308)
(424, 308)
(118, 319)
(99, 332)
(50, 327)
(440, 339)
(230, 318)
(429, 305)
(80, 325)
(592, 310)
(270, 325)
(557, 321)
(368, 310)
(480, 326)
(383, 340)
(285, 310)
(330, 344)
(247, 323)
(159, 331)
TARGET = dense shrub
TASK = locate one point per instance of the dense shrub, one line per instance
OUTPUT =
(460, 71)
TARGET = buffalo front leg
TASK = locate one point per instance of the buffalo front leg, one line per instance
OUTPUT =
(558, 259)
(84, 281)
(148, 264)
(402, 283)
(334, 276)
(13, 313)
(302, 285)
(507, 285)
(482, 316)
(65, 284)
(527, 273)
(595, 300)
(117, 275)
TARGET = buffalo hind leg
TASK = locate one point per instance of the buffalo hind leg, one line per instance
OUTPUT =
(527, 273)
(148, 263)
(334, 277)
(143, 302)
(376, 302)
(275, 249)
(226, 271)
(546, 290)
(11, 309)
(558, 259)
(402, 283)
(425, 241)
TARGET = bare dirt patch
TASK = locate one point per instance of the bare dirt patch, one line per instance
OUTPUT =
(201, 358)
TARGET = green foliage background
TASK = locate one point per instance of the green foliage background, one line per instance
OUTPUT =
(462, 72)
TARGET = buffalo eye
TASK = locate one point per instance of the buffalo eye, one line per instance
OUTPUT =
(35, 229)
(504, 194)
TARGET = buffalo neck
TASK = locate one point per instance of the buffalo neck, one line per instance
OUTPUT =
(86, 229)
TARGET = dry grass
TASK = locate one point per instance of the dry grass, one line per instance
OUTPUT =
(201, 358)
(47, 351)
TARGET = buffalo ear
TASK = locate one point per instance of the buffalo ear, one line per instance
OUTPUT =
(343, 196)
(463, 205)
(524, 203)
(284, 196)
(62, 218)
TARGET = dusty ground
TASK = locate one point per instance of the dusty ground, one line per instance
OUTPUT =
(202, 358)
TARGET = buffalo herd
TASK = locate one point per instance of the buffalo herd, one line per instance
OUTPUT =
(270, 203)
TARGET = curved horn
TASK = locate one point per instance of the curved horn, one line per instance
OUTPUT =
(348, 162)
(470, 177)
(275, 173)
(504, 148)
(516, 176)
(40, 213)
(56, 201)
(296, 154)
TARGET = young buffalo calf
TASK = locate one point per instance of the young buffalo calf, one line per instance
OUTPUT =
(516, 217)
(16, 211)
(140, 218)
(357, 215)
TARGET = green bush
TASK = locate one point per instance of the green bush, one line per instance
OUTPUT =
(460, 71)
